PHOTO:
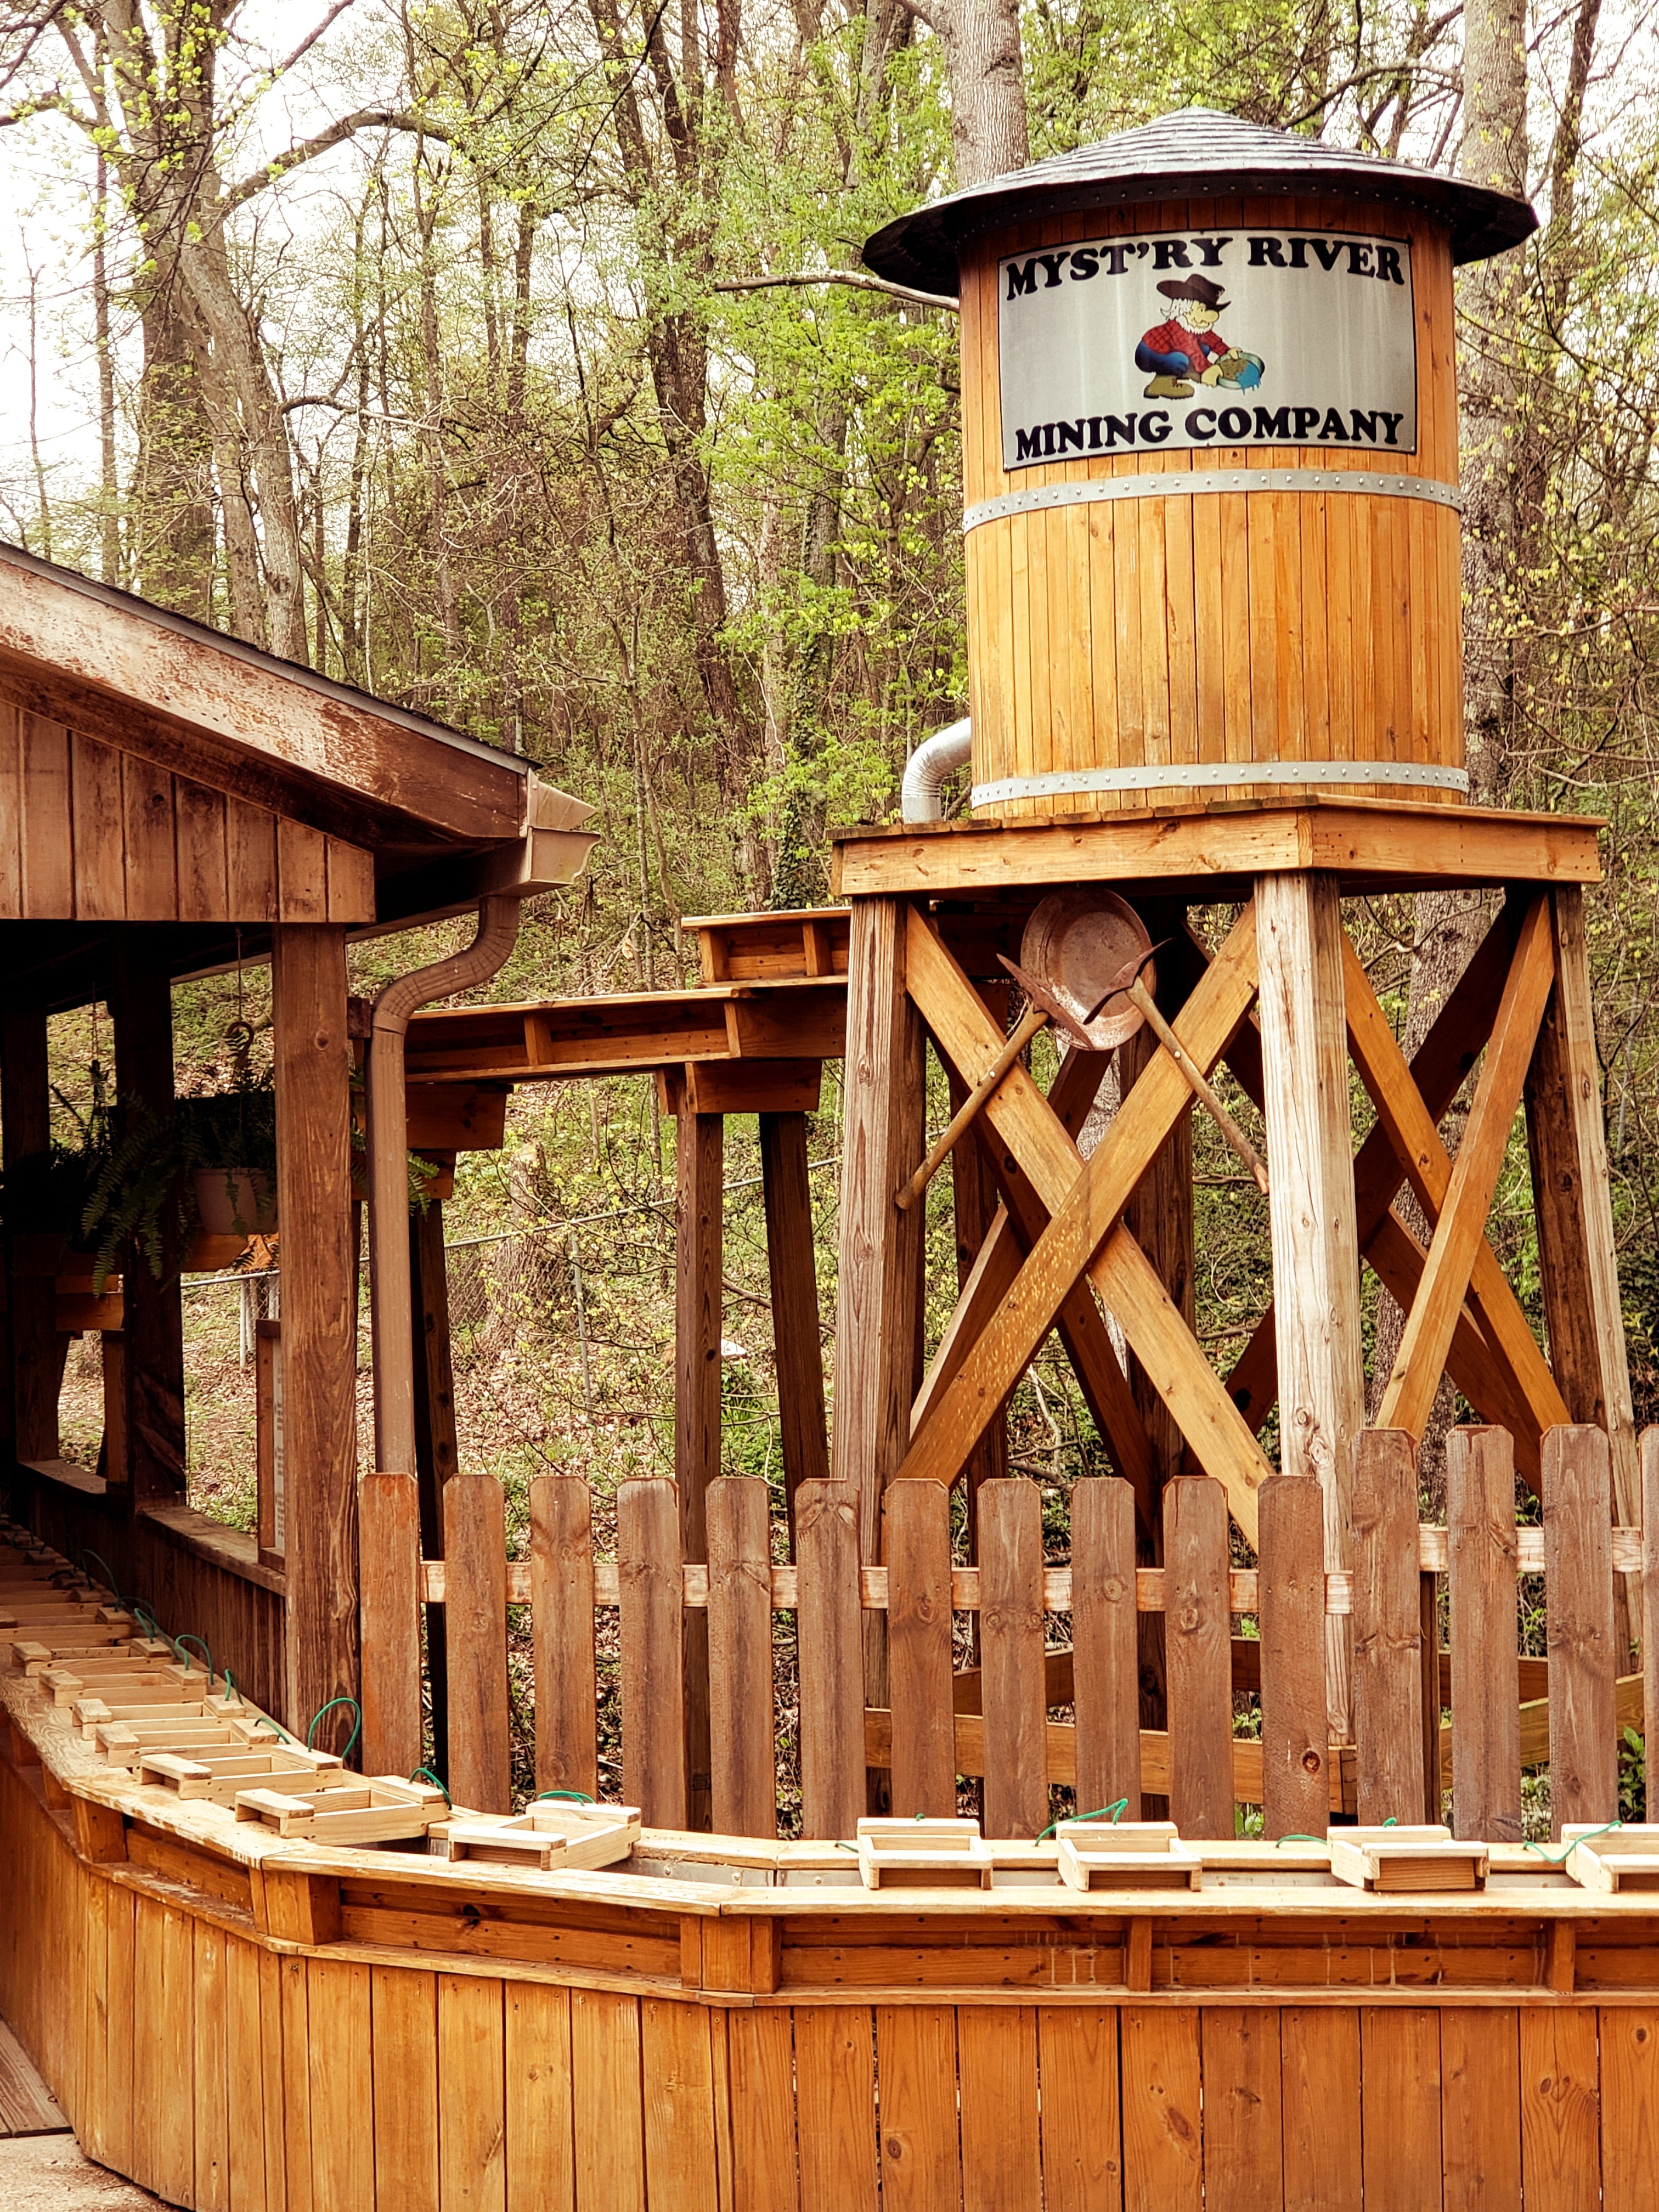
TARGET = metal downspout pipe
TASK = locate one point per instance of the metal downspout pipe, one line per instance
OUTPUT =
(390, 1518)
(925, 772)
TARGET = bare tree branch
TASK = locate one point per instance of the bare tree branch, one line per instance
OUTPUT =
(307, 149)
(313, 36)
(855, 277)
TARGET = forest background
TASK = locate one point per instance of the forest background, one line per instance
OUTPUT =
(458, 351)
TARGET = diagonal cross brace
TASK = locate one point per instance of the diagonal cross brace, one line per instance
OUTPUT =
(1085, 1235)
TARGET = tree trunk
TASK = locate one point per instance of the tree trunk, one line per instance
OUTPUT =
(983, 65)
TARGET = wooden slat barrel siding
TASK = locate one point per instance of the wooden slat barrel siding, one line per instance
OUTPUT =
(1212, 627)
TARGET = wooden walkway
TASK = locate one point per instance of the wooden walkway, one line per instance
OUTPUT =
(26, 2103)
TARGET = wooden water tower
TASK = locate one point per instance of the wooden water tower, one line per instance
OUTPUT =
(1211, 529)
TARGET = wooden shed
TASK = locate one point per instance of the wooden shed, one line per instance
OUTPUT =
(173, 801)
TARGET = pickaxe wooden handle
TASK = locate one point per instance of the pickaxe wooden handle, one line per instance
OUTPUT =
(1140, 997)
(1030, 1023)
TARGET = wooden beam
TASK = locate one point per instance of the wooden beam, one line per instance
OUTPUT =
(699, 1173)
(1316, 1245)
(1583, 1657)
(798, 1344)
(1387, 1637)
(976, 1211)
(31, 1293)
(1485, 1698)
(1495, 1311)
(1216, 856)
(312, 1056)
(1085, 1204)
(1294, 1735)
(141, 1007)
(1427, 1336)
(389, 1519)
(1577, 1261)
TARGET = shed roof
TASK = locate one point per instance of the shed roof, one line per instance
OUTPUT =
(1197, 150)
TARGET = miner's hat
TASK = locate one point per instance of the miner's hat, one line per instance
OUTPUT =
(1195, 288)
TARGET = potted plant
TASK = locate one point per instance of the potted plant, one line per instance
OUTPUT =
(209, 1164)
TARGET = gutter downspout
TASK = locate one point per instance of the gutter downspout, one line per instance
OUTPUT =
(925, 772)
(390, 1509)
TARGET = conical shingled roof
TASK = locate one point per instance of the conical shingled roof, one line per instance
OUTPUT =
(1196, 150)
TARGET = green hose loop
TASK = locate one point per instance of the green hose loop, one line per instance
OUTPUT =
(425, 1774)
(1100, 1812)
(357, 1726)
(581, 1795)
(178, 1644)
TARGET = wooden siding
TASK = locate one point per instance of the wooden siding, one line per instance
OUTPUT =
(88, 833)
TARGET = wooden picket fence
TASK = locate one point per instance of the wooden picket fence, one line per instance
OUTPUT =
(700, 1717)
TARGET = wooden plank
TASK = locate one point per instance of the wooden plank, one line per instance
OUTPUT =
(1010, 1626)
(404, 2087)
(1082, 1204)
(880, 1320)
(654, 1734)
(248, 2117)
(1578, 1266)
(26, 2106)
(1295, 1734)
(677, 2069)
(251, 861)
(1080, 2113)
(1630, 2103)
(25, 1132)
(1460, 1228)
(836, 2090)
(1399, 2103)
(209, 2110)
(301, 872)
(48, 857)
(389, 1536)
(607, 2100)
(986, 1250)
(1485, 1697)
(312, 1053)
(1319, 2094)
(1560, 2110)
(797, 1342)
(152, 888)
(541, 2174)
(120, 2032)
(561, 1622)
(1583, 1653)
(829, 1630)
(11, 812)
(765, 2174)
(1001, 2150)
(435, 1456)
(699, 1199)
(917, 1517)
(1105, 1666)
(292, 2044)
(471, 2092)
(1648, 1611)
(475, 1559)
(100, 882)
(1197, 1625)
(920, 2146)
(340, 2046)
(742, 1746)
(1243, 2125)
(198, 827)
(1315, 1236)
(1387, 1630)
(1162, 2159)
(1481, 2107)
(350, 874)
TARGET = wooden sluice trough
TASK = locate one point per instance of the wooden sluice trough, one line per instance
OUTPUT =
(1209, 460)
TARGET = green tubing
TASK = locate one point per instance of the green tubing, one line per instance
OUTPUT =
(425, 1774)
(357, 1726)
(179, 1643)
(581, 1795)
(1560, 1858)
(1100, 1812)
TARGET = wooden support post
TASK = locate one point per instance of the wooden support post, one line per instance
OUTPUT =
(1577, 1263)
(797, 1346)
(1583, 1662)
(699, 1157)
(142, 1009)
(973, 1210)
(1387, 1632)
(878, 1333)
(25, 1133)
(319, 1351)
(436, 1459)
(114, 1461)
(1315, 1246)
(1486, 1672)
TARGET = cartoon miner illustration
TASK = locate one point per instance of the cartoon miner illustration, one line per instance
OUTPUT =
(1188, 345)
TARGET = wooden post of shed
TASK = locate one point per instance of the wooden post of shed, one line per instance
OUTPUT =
(699, 1154)
(320, 1345)
(153, 1366)
(25, 1132)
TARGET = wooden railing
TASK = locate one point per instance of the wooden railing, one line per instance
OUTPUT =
(694, 1647)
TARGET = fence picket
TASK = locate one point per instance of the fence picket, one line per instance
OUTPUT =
(1578, 1590)
(654, 1729)
(741, 1739)
(561, 1635)
(1105, 1657)
(475, 1552)
(1198, 1632)
(1295, 1789)
(1388, 1632)
(917, 1517)
(1485, 1673)
(1649, 1589)
(829, 1631)
(1011, 1651)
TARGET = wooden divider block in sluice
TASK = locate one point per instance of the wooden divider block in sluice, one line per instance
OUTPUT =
(1618, 1861)
(914, 1854)
(1400, 1859)
(1132, 1855)
(546, 1837)
(378, 1809)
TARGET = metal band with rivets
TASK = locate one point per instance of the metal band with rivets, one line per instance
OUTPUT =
(1189, 484)
(1211, 774)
